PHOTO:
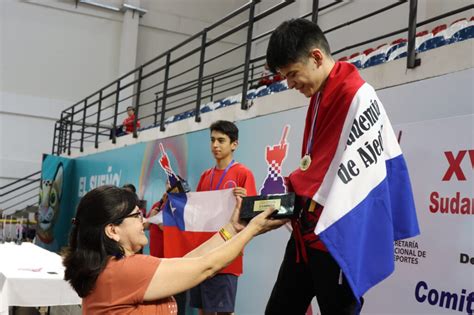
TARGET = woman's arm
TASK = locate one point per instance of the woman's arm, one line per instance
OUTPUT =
(233, 227)
(179, 274)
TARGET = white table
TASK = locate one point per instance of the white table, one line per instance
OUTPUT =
(32, 276)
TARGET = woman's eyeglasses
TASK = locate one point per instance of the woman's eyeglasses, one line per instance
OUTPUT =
(138, 215)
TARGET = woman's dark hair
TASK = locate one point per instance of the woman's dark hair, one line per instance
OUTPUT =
(226, 127)
(130, 187)
(89, 246)
(293, 40)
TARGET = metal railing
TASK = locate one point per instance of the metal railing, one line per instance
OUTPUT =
(167, 85)
(157, 91)
(20, 194)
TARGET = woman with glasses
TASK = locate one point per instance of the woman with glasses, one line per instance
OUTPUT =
(104, 269)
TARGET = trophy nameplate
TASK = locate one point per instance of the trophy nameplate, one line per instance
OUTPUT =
(254, 205)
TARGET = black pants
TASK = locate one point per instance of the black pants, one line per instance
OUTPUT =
(181, 302)
(298, 283)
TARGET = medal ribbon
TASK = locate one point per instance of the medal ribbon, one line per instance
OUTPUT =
(222, 176)
(309, 144)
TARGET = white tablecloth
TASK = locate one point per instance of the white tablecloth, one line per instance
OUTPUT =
(32, 276)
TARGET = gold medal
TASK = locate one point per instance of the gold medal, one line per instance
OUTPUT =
(305, 162)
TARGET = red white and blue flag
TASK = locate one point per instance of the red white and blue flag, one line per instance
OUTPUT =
(358, 174)
(189, 219)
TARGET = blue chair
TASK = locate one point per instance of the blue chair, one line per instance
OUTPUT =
(251, 94)
(278, 86)
(436, 41)
(226, 102)
(377, 56)
(189, 113)
(463, 34)
(400, 53)
(231, 100)
(396, 44)
(461, 30)
(263, 91)
(357, 60)
(216, 105)
(169, 120)
(178, 117)
(206, 108)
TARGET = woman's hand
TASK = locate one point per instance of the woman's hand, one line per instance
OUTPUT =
(262, 223)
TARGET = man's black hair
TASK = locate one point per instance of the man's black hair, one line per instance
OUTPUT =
(130, 108)
(226, 127)
(292, 40)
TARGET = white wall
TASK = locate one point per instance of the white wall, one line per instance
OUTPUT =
(53, 54)
(49, 59)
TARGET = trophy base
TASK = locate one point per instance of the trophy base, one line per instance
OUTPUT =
(254, 205)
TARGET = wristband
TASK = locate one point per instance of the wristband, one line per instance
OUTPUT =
(225, 234)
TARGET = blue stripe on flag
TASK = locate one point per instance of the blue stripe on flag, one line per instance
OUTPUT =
(173, 213)
(362, 241)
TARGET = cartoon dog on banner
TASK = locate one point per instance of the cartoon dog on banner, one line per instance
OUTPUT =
(49, 205)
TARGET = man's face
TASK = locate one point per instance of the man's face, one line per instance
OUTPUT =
(221, 147)
(307, 75)
(130, 111)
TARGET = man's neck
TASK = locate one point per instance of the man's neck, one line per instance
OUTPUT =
(328, 68)
(223, 163)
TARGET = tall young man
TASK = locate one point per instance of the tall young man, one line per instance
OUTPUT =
(217, 294)
(299, 51)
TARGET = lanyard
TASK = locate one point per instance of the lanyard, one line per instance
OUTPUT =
(222, 176)
(309, 144)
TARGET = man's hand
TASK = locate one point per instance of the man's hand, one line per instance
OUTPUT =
(153, 212)
(240, 192)
(237, 224)
(164, 198)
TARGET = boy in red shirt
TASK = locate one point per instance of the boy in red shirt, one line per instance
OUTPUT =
(217, 294)
(128, 122)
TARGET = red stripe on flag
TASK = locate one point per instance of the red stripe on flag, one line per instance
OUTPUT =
(178, 243)
(334, 105)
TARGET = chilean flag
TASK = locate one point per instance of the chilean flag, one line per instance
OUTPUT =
(358, 174)
(190, 219)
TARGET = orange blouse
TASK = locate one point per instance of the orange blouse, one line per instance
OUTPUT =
(120, 289)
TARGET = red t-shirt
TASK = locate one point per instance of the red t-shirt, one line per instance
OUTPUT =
(237, 176)
(128, 123)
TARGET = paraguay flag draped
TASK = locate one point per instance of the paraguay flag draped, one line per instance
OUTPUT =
(359, 175)
(190, 219)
